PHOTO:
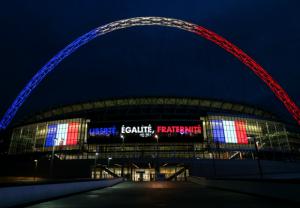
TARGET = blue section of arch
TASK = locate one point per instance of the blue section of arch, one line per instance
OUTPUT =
(43, 72)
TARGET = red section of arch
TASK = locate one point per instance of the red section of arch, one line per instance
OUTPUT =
(247, 60)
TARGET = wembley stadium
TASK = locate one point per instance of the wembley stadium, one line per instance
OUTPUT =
(148, 135)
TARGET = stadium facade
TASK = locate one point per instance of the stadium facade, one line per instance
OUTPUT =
(140, 137)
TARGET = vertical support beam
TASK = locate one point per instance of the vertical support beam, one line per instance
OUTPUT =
(175, 172)
(134, 151)
(241, 156)
(287, 139)
(227, 154)
(194, 150)
(174, 150)
(128, 171)
(269, 135)
(154, 150)
(203, 150)
(96, 155)
(131, 176)
(115, 151)
(122, 172)
(37, 128)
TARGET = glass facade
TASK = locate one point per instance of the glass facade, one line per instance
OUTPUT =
(240, 132)
(234, 134)
(65, 134)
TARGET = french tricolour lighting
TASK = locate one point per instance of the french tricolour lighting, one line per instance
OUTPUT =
(229, 131)
(140, 21)
(67, 133)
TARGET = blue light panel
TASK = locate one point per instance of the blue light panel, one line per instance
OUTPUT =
(51, 134)
(218, 131)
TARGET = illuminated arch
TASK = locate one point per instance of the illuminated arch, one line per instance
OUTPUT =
(140, 21)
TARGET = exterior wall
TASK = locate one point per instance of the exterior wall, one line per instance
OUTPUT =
(270, 135)
(274, 189)
(32, 138)
(61, 169)
(12, 196)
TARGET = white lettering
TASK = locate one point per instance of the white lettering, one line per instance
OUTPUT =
(128, 130)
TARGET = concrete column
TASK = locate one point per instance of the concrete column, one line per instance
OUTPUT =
(175, 172)
(131, 175)
(194, 150)
(154, 150)
(134, 150)
(174, 150)
(227, 154)
(37, 128)
(122, 171)
(241, 156)
(115, 150)
(128, 171)
(203, 151)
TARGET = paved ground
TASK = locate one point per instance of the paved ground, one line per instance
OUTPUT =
(167, 194)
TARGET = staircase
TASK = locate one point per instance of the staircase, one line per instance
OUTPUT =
(175, 174)
(236, 154)
(110, 172)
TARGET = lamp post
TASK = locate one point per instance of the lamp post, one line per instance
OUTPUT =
(35, 168)
(157, 144)
(256, 149)
(214, 164)
(123, 145)
(54, 139)
(96, 155)
(108, 162)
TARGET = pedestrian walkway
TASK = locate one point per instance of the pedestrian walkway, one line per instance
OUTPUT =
(164, 193)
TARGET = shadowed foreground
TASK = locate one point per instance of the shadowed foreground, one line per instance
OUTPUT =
(151, 194)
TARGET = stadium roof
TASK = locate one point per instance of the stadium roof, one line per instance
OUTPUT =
(160, 105)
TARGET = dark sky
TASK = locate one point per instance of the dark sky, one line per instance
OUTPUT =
(148, 60)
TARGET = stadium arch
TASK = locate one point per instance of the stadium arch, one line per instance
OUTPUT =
(141, 21)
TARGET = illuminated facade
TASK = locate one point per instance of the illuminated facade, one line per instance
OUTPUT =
(141, 130)
(149, 127)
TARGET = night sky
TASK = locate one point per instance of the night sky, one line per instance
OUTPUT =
(148, 60)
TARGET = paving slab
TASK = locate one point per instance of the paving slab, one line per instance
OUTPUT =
(161, 194)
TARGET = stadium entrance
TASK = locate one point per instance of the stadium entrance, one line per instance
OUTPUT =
(143, 171)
